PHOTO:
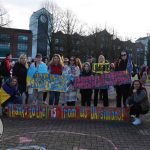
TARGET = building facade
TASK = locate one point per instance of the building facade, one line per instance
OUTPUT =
(41, 26)
(15, 41)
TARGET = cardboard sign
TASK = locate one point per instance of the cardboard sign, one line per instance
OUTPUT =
(101, 68)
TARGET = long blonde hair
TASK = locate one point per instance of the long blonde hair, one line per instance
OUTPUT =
(60, 60)
(23, 56)
(101, 57)
(79, 63)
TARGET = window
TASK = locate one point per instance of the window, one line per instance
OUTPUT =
(4, 49)
(22, 38)
(77, 42)
(56, 41)
(22, 47)
(5, 46)
(4, 37)
(101, 45)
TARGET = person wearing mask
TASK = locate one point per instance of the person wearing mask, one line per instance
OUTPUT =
(137, 101)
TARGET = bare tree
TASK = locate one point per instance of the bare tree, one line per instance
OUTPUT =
(69, 27)
(4, 17)
(57, 15)
(55, 23)
(70, 22)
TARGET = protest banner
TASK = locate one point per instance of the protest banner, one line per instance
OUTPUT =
(32, 70)
(50, 82)
(101, 68)
(67, 112)
(108, 79)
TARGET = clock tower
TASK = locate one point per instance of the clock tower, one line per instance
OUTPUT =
(41, 26)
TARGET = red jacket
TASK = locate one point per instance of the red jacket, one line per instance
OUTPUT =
(8, 64)
(56, 69)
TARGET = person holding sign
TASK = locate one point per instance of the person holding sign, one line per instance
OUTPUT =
(55, 67)
(86, 94)
(71, 94)
(137, 101)
(103, 65)
(122, 91)
(35, 95)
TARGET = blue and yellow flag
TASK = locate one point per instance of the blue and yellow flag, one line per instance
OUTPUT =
(4, 96)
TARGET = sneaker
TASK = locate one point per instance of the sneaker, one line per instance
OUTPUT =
(137, 121)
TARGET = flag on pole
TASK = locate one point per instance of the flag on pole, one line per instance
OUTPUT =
(129, 64)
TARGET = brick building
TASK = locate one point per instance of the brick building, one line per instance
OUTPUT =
(15, 41)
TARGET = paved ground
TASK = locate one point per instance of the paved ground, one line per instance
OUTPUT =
(75, 135)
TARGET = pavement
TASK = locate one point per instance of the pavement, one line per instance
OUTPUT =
(55, 134)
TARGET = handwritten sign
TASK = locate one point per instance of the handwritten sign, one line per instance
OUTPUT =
(101, 68)
(67, 112)
(61, 83)
(50, 82)
(109, 79)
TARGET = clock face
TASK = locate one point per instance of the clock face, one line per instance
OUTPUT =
(1, 128)
(43, 18)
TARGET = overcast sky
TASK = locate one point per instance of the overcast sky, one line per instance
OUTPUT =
(129, 18)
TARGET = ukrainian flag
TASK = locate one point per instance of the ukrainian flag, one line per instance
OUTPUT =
(4, 96)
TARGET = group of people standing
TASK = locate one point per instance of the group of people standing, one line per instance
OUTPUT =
(132, 95)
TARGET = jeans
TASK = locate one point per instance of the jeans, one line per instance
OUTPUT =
(54, 98)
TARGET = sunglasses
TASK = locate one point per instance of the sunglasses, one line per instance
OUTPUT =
(71, 59)
(124, 55)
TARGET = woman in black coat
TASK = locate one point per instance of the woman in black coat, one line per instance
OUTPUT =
(20, 71)
(86, 94)
(122, 91)
(137, 101)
